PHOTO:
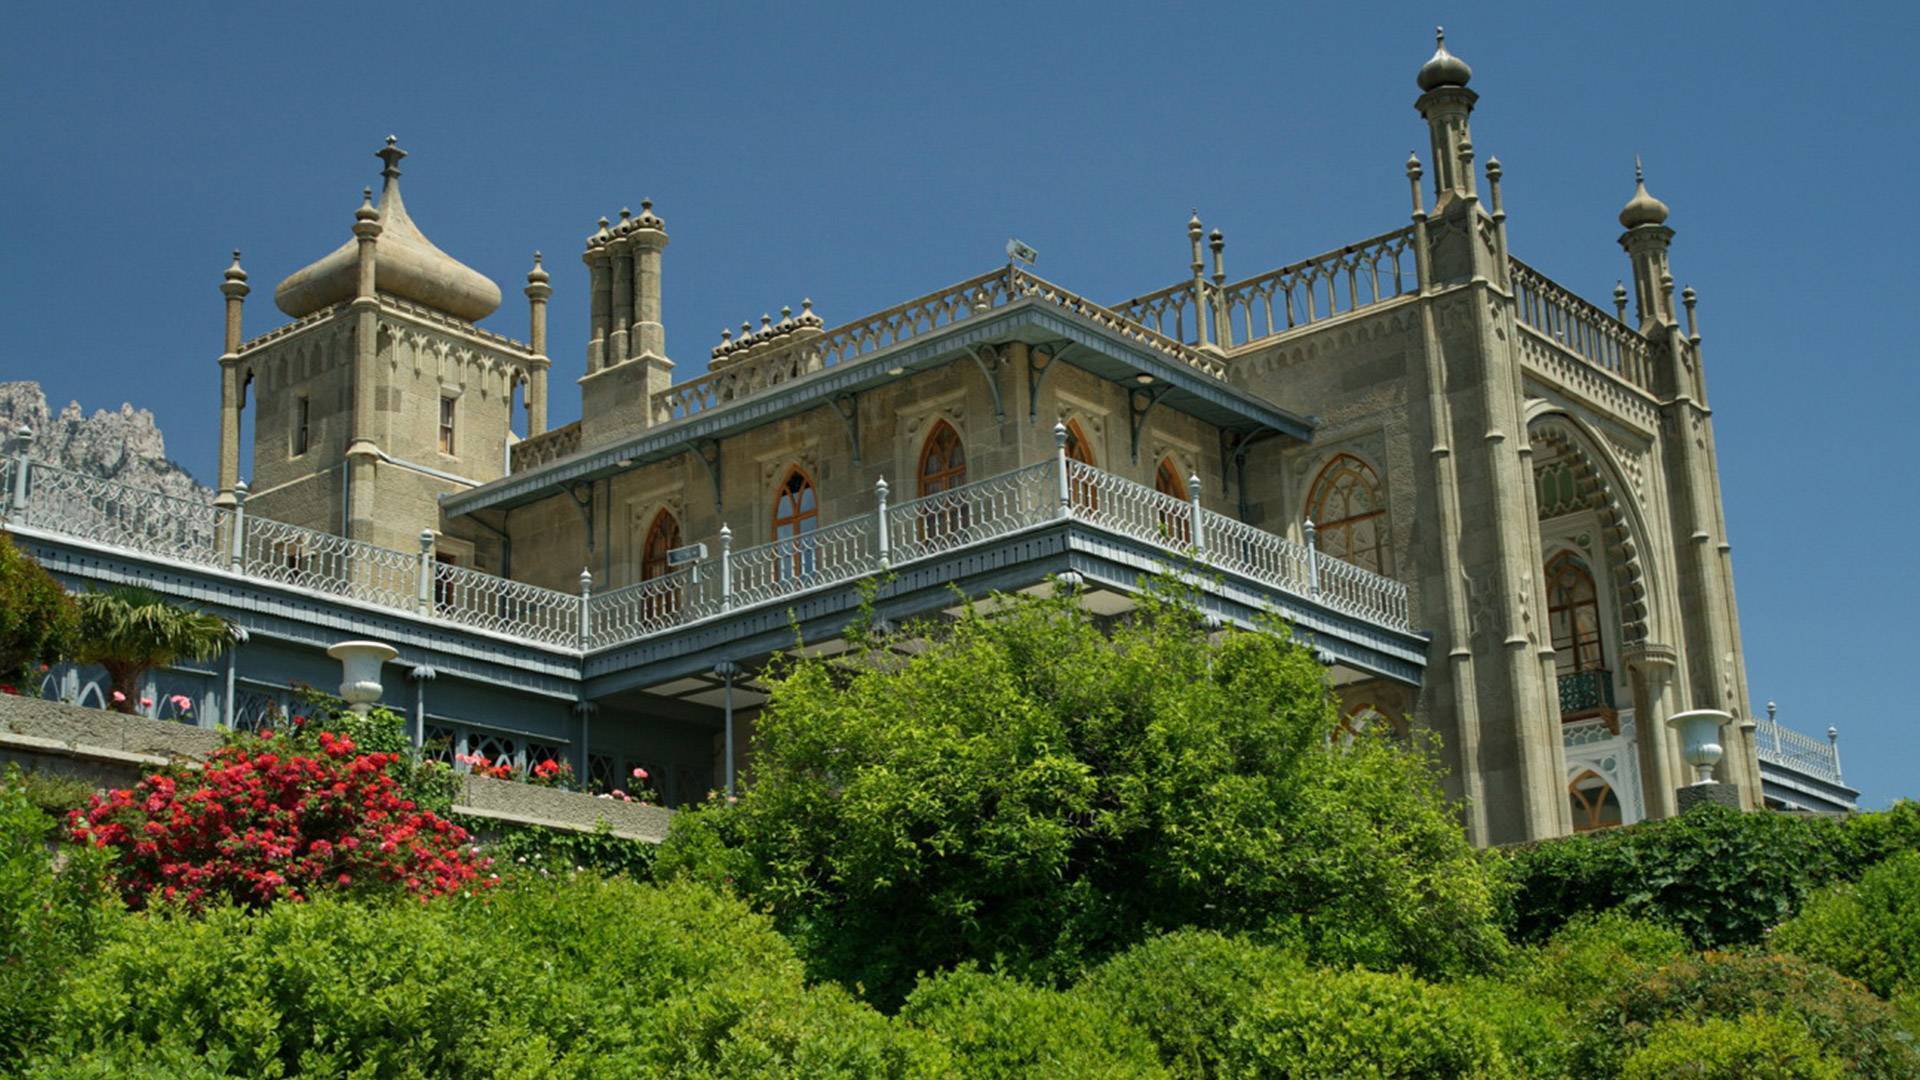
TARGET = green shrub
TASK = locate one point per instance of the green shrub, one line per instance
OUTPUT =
(1036, 792)
(37, 618)
(1717, 875)
(1868, 930)
(49, 919)
(130, 630)
(996, 1026)
(55, 795)
(1186, 990)
(1364, 1023)
(1852, 1026)
(531, 849)
(1597, 955)
(579, 976)
(1756, 1046)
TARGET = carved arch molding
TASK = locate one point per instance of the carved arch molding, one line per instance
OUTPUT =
(1623, 553)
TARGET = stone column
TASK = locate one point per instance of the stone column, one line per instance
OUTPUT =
(649, 240)
(362, 453)
(232, 391)
(620, 305)
(538, 292)
(600, 277)
(1651, 668)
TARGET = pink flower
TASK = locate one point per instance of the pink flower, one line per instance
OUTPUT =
(639, 773)
(146, 703)
(118, 697)
(181, 701)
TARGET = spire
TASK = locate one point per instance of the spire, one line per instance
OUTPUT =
(391, 155)
(235, 283)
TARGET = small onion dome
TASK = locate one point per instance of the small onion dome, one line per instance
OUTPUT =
(406, 264)
(807, 317)
(1642, 209)
(234, 272)
(648, 219)
(538, 275)
(1194, 228)
(1443, 68)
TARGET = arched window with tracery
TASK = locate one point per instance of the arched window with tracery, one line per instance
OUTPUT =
(662, 537)
(1355, 721)
(1080, 490)
(1349, 514)
(1173, 522)
(796, 513)
(1593, 802)
(1573, 615)
(943, 467)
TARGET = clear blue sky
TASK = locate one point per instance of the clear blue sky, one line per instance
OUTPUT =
(864, 156)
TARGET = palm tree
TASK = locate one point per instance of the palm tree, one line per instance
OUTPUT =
(130, 631)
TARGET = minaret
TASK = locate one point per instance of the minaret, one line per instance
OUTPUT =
(1646, 242)
(1446, 103)
(538, 292)
(234, 287)
(627, 362)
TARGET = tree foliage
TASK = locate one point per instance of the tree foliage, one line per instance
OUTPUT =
(37, 617)
(1868, 930)
(1035, 791)
(129, 631)
(48, 916)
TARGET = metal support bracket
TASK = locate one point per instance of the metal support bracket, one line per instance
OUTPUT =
(707, 453)
(1140, 402)
(846, 406)
(585, 505)
(1037, 373)
(989, 358)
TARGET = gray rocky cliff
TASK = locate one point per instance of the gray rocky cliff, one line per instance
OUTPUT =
(123, 445)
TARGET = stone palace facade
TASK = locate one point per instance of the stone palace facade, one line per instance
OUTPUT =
(1492, 506)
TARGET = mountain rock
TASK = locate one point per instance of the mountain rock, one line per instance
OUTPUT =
(123, 445)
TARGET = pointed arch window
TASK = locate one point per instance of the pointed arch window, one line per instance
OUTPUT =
(1080, 490)
(796, 514)
(662, 537)
(1173, 522)
(1349, 512)
(1573, 615)
(943, 467)
(1593, 802)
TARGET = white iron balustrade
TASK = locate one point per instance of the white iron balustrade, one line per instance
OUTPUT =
(1782, 745)
(119, 515)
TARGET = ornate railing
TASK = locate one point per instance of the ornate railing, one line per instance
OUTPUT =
(123, 515)
(1580, 327)
(972, 513)
(1298, 294)
(113, 514)
(1585, 691)
(754, 374)
(505, 606)
(547, 446)
(1783, 746)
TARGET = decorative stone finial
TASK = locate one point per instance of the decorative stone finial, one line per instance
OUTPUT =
(1493, 169)
(367, 211)
(391, 155)
(648, 219)
(1443, 68)
(807, 317)
(234, 272)
(426, 541)
(1642, 209)
(1216, 240)
(1060, 434)
(235, 282)
(1194, 228)
(538, 275)
(1414, 171)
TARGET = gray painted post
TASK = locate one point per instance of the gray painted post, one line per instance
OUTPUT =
(1060, 467)
(20, 449)
(586, 599)
(1775, 725)
(421, 674)
(426, 572)
(1833, 749)
(880, 500)
(727, 670)
(237, 558)
(1313, 561)
(1193, 494)
(726, 568)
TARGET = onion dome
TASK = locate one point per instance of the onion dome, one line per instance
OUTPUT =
(235, 281)
(1642, 209)
(406, 264)
(648, 219)
(1443, 68)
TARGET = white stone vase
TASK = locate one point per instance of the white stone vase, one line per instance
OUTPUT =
(360, 663)
(1699, 731)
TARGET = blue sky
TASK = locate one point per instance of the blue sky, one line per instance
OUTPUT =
(861, 155)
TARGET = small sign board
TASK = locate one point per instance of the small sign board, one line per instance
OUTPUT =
(681, 556)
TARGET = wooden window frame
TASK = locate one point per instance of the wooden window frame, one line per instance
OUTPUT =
(1335, 534)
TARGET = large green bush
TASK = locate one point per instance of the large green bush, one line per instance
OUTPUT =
(1186, 990)
(579, 976)
(997, 1027)
(37, 618)
(1364, 1023)
(1036, 791)
(1868, 930)
(1839, 1015)
(49, 918)
(1756, 1046)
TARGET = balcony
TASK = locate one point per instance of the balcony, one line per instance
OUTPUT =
(1122, 527)
(1587, 693)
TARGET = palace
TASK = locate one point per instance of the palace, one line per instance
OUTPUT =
(1492, 507)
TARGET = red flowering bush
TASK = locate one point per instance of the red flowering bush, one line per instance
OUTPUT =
(482, 765)
(271, 818)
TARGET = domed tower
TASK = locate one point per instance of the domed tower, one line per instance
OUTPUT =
(382, 394)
